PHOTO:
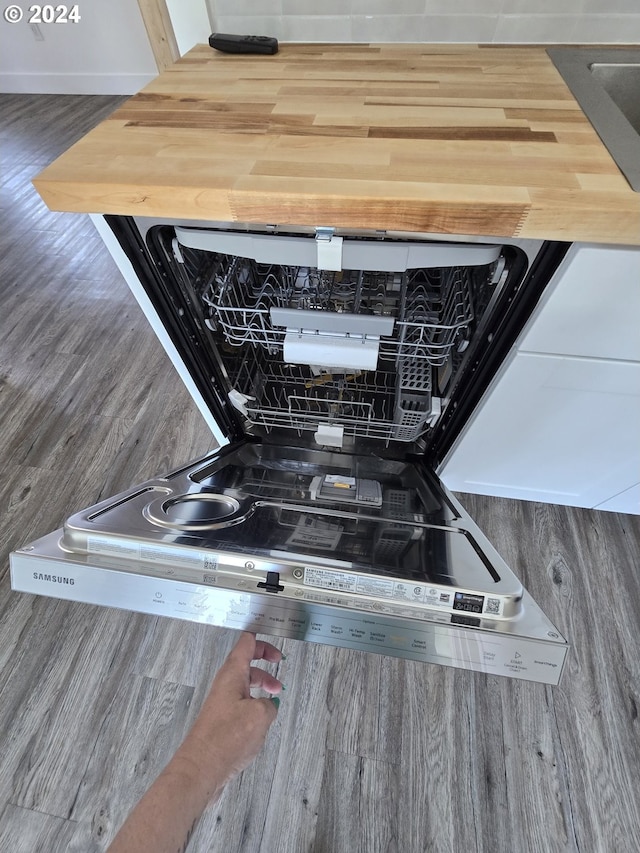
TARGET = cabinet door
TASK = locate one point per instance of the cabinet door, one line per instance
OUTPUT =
(556, 429)
(592, 308)
(627, 501)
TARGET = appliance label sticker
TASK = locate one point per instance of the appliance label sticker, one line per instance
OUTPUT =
(437, 597)
(114, 548)
(373, 586)
(493, 607)
(315, 533)
(340, 482)
(378, 587)
(183, 558)
(325, 579)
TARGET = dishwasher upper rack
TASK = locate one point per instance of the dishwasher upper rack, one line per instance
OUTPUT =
(432, 308)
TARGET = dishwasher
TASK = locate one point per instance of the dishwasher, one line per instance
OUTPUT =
(335, 369)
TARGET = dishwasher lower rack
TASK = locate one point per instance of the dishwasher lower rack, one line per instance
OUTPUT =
(392, 403)
(432, 308)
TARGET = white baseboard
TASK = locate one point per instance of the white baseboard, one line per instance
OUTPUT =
(73, 84)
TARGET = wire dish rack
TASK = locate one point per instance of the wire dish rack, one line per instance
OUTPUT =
(432, 308)
(370, 404)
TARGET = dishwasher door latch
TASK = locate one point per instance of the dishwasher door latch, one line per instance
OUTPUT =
(329, 249)
(272, 583)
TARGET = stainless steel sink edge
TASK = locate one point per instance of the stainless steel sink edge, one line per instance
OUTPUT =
(616, 132)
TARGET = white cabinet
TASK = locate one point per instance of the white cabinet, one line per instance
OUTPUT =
(627, 501)
(555, 429)
(561, 423)
(592, 308)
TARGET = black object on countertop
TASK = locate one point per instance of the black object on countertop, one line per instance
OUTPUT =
(228, 43)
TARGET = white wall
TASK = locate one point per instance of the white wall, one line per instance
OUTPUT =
(190, 21)
(107, 52)
(518, 21)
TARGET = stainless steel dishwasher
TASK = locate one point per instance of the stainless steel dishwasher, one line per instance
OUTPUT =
(335, 369)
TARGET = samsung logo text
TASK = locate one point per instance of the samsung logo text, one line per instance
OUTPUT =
(40, 576)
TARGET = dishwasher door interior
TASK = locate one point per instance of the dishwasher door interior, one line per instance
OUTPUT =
(361, 552)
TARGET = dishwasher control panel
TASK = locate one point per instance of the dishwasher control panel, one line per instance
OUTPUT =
(440, 642)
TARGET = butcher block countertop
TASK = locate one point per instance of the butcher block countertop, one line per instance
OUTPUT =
(441, 139)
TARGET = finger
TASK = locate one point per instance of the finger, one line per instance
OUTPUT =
(271, 708)
(244, 650)
(264, 680)
(234, 672)
(265, 651)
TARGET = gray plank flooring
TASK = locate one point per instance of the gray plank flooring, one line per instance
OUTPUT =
(368, 753)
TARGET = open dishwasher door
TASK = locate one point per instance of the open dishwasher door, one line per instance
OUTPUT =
(322, 371)
(361, 552)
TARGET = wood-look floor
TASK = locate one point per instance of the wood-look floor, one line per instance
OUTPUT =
(368, 754)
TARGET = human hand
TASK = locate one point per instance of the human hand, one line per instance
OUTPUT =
(232, 725)
(227, 734)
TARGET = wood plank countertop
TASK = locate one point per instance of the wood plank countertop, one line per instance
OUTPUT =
(441, 139)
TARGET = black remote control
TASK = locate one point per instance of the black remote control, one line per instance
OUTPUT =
(243, 44)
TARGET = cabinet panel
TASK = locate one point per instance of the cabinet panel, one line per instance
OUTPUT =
(556, 429)
(593, 306)
(627, 501)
